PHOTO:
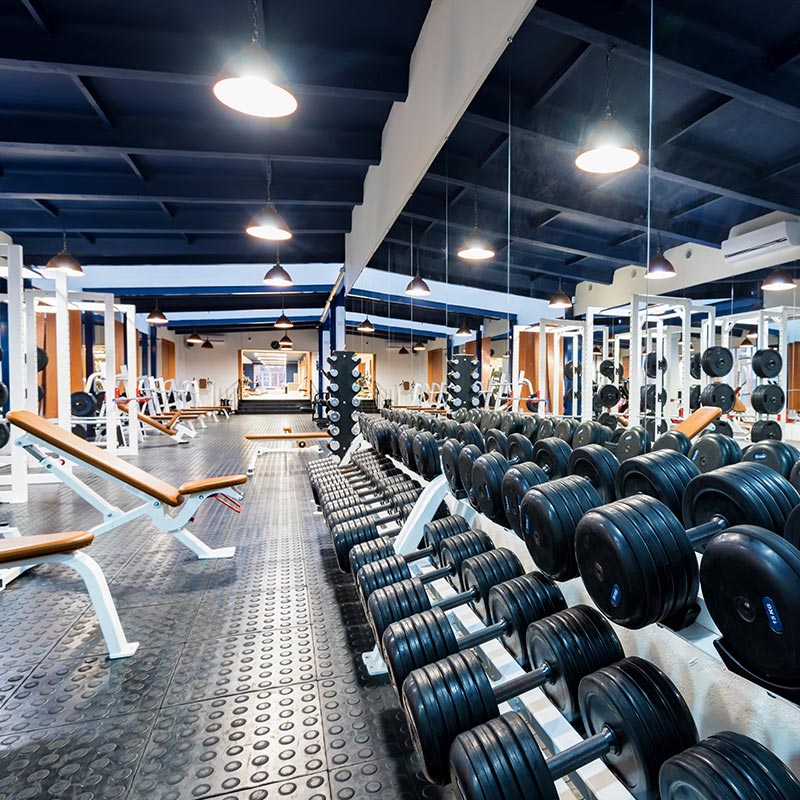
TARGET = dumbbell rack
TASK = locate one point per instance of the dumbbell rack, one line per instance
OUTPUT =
(342, 401)
(719, 699)
(461, 388)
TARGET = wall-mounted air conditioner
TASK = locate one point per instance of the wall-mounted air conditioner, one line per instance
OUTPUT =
(763, 241)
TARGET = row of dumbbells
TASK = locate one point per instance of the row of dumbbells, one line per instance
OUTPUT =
(572, 654)
(642, 571)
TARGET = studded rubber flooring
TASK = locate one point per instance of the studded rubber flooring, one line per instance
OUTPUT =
(247, 684)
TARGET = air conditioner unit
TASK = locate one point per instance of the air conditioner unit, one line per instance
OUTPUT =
(763, 241)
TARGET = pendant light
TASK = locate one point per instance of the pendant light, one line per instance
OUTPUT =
(366, 326)
(285, 342)
(283, 321)
(660, 266)
(749, 340)
(252, 83)
(608, 147)
(207, 345)
(476, 246)
(157, 316)
(277, 275)
(560, 299)
(268, 223)
(194, 338)
(463, 331)
(416, 287)
(418, 347)
(65, 262)
(403, 351)
(778, 281)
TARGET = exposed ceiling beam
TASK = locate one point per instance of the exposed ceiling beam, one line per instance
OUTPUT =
(216, 189)
(135, 167)
(459, 44)
(92, 98)
(69, 135)
(46, 206)
(38, 16)
(702, 60)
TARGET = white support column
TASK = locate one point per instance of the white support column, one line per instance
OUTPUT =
(131, 354)
(17, 370)
(109, 374)
(460, 42)
(62, 352)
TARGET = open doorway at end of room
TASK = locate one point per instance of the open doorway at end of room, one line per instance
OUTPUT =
(271, 375)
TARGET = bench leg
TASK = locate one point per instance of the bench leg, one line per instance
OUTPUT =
(95, 580)
(200, 548)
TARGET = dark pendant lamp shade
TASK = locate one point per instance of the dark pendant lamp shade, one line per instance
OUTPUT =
(560, 300)
(417, 287)
(660, 266)
(207, 345)
(403, 351)
(418, 347)
(65, 262)
(157, 317)
(778, 281)
(366, 326)
(285, 342)
(269, 224)
(463, 331)
(194, 338)
(283, 322)
(278, 276)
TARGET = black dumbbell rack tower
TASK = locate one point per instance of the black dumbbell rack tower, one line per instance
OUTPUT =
(461, 391)
(342, 402)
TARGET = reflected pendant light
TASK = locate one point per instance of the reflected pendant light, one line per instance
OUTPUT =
(366, 326)
(277, 275)
(749, 340)
(560, 299)
(463, 331)
(403, 351)
(268, 223)
(207, 345)
(418, 347)
(416, 286)
(65, 262)
(252, 83)
(608, 147)
(283, 321)
(778, 281)
(157, 316)
(194, 338)
(660, 266)
(285, 342)
(476, 246)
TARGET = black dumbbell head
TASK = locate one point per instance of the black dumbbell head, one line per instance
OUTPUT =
(394, 602)
(598, 465)
(515, 484)
(481, 572)
(549, 515)
(574, 642)
(453, 552)
(663, 474)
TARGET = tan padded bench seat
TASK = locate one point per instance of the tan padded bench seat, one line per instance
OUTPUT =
(109, 463)
(281, 436)
(17, 548)
(153, 423)
(211, 484)
(698, 420)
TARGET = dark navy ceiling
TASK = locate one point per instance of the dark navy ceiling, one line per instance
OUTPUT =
(726, 142)
(109, 130)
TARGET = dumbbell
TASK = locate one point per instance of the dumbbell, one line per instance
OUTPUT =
(470, 439)
(428, 636)
(434, 532)
(453, 551)
(635, 718)
(363, 529)
(727, 766)
(377, 484)
(593, 462)
(346, 508)
(426, 446)
(636, 559)
(550, 512)
(751, 581)
(478, 574)
(450, 696)
(712, 451)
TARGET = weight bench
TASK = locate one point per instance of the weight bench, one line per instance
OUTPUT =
(698, 420)
(24, 552)
(178, 433)
(169, 508)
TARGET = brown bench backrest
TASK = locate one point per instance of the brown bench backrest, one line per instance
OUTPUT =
(95, 456)
(698, 420)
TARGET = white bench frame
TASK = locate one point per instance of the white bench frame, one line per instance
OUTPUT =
(171, 523)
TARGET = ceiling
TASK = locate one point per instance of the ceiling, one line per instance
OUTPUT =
(110, 133)
(726, 143)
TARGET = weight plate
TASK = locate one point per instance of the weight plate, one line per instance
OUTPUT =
(779, 456)
(767, 363)
(82, 404)
(469, 433)
(768, 398)
(552, 455)
(694, 397)
(565, 429)
(487, 478)
(673, 440)
(720, 395)
(648, 396)
(751, 585)
(655, 429)
(766, 429)
(3, 394)
(663, 474)
(520, 448)
(451, 450)
(590, 432)
(652, 365)
(466, 459)
(634, 441)
(42, 359)
(496, 442)
(609, 395)
(607, 369)
(547, 428)
(599, 466)
(5, 434)
(717, 361)
(516, 483)
(571, 370)
(721, 426)
(695, 367)
(609, 421)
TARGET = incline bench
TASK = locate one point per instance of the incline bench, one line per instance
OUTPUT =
(170, 508)
(63, 548)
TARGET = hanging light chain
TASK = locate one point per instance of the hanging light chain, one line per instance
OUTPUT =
(269, 181)
(255, 21)
(475, 197)
(608, 79)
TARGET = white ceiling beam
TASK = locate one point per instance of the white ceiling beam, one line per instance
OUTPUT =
(460, 42)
